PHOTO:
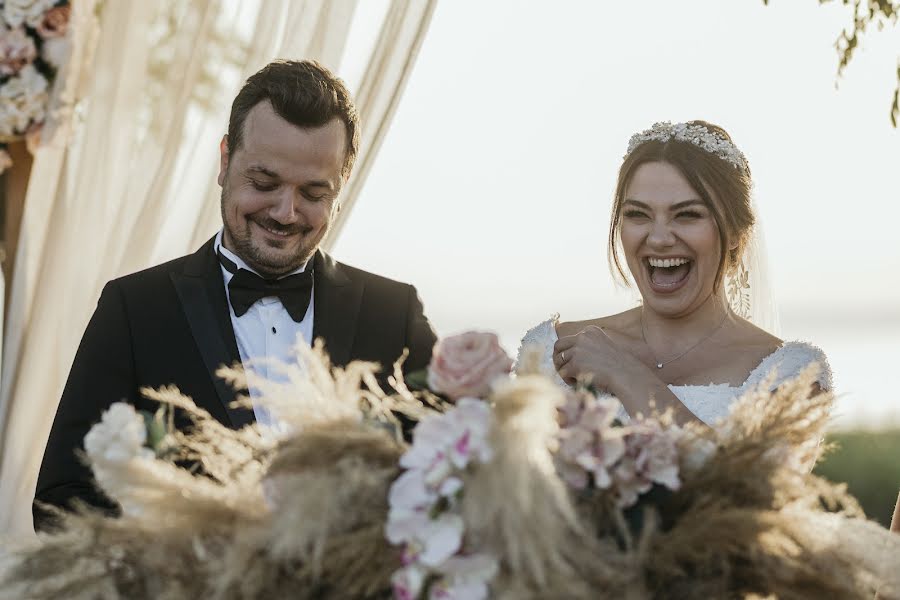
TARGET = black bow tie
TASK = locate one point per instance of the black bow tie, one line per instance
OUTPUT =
(246, 287)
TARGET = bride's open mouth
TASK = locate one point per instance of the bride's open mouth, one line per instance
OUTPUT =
(668, 274)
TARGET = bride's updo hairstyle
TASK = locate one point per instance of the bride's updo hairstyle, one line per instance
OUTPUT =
(705, 155)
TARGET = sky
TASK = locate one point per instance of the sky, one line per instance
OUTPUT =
(492, 190)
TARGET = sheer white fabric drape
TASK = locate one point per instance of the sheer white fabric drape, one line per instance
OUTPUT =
(126, 176)
(402, 33)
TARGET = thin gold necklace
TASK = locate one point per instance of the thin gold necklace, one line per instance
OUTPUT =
(661, 364)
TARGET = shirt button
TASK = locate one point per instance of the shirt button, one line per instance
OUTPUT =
(273, 330)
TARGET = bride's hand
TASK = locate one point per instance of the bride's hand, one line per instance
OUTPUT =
(591, 356)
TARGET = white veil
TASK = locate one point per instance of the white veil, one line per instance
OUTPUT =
(749, 288)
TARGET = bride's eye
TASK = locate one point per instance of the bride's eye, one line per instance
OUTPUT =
(690, 214)
(634, 214)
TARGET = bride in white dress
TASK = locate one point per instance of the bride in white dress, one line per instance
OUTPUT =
(683, 220)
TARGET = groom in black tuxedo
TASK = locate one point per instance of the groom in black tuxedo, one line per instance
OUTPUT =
(293, 135)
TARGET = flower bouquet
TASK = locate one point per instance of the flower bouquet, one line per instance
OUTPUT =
(511, 488)
(33, 46)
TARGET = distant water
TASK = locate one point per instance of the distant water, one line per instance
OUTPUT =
(864, 358)
(866, 364)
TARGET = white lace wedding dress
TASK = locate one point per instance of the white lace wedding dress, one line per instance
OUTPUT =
(708, 402)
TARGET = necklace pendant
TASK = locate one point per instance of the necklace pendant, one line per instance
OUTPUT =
(659, 365)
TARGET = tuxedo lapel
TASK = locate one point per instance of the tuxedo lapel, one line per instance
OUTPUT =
(201, 291)
(337, 302)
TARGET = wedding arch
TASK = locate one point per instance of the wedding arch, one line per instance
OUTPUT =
(124, 175)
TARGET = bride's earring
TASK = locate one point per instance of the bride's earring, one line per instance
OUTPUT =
(738, 290)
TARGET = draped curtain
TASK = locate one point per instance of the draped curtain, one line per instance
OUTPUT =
(125, 177)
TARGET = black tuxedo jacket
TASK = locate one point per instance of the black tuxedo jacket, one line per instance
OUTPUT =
(171, 324)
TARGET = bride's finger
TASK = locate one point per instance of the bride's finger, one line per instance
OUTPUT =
(560, 358)
(564, 343)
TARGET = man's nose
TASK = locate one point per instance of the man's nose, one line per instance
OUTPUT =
(284, 211)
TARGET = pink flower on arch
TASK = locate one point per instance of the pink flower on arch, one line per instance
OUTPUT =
(55, 22)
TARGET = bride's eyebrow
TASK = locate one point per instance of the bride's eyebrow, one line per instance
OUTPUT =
(674, 207)
(687, 203)
(636, 203)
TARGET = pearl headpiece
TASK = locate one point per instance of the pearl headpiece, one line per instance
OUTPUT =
(698, 135)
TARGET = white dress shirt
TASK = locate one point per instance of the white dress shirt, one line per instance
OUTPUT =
(265, 333)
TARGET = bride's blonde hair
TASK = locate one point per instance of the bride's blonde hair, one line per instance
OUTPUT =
(724, 187)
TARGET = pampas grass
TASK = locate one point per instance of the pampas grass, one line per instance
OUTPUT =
(519, 509)
(734, 522)
(303, 516)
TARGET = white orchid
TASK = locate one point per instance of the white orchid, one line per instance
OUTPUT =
(420, 516)
(440, 539)
(407, 582)
(428, 540)
(466, 577)
(465, 591)
(410, 491)
(450, 440)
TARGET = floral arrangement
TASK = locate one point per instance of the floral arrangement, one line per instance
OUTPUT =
(511, 487)
(33, 46)
(424, 514)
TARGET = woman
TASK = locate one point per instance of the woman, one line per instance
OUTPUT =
(682, 219)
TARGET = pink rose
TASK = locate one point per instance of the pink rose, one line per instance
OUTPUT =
(16, 50)
(467, 364)
(55, 22)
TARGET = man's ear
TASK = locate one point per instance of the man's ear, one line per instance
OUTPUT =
(223, 159)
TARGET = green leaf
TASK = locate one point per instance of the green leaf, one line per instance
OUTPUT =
(417, 380)
(156, 427)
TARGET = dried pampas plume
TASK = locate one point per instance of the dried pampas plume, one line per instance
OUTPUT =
(300, 518)
(303, 516)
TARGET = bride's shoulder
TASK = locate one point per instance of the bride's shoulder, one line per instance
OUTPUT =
(790, 359)
(544, 334)
(786, 359)
(753, 335)
(621, 322)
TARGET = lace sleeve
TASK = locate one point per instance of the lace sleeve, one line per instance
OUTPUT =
(788, 361)
(540, 339)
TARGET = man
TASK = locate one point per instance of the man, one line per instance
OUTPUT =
(247, 293)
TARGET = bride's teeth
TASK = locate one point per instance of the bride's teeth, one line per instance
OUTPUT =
(667, 262)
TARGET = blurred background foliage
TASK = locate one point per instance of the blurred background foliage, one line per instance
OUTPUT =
(869, 463)
(866, 14)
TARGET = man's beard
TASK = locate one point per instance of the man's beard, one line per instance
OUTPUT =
(265, 263)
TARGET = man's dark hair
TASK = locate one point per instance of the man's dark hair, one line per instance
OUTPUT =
(303, 93)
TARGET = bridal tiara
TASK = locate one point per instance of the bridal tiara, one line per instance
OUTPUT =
(698, 135)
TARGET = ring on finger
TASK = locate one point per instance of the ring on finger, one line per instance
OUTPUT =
(562, 356)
